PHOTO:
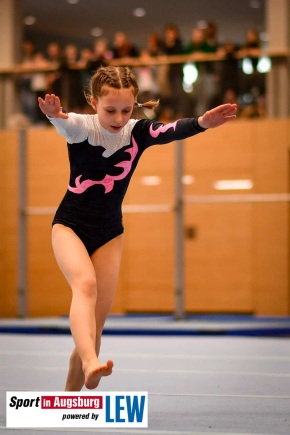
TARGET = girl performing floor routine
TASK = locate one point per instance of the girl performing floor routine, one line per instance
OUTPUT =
(87, 232)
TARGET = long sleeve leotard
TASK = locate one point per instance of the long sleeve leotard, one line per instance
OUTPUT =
(101, 166)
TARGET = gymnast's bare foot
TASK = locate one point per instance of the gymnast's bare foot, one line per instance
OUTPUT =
(93, 373)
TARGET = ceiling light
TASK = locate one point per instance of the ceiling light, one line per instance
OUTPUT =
(233, 184)
(139, 12)
(29, 20)
(190, 75)
(72, 2)
(96, 31)
(247, 66)
(264, 64)
(202, 24)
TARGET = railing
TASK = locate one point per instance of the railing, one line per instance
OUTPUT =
(276, 86)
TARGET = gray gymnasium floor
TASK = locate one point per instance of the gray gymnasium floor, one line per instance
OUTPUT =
(216, 380)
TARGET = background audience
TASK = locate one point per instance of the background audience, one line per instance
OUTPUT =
(219, 72)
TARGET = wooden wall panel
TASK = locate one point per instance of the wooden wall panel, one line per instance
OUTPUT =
(48, 167)
(155, 161)
(147, 270)
(49, 293)
(271, 156)
(238, 262)
(48, 172)
(271, 286)
(218, 260)
(271, 259)
(8, 223)
(148, 263)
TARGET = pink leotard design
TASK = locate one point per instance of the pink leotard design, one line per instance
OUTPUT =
(161, 129)
(95, 215)
(109, 180)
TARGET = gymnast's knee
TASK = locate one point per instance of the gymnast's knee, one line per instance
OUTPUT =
(86, 287)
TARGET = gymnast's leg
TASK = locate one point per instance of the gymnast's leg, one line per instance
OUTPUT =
(106, 261)
(80, 273)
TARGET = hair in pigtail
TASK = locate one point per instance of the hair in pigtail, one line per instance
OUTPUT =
(152, 104)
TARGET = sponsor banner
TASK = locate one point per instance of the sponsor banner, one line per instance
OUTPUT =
(78, 410)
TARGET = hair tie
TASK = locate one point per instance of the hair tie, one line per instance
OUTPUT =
(139, 105)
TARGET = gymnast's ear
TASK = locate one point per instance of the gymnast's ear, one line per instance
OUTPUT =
(94, 103)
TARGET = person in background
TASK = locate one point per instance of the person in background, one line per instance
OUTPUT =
(252, 82)
(39, 83)
(199, 47)
(54, 56)
(154, 44)
(172, 93)
(86, 56)
(71, 78)
(123, 47)
(148, 74)
(229, 83)
(101, 55)
(211, 69)
(27, 94)
(197, 42)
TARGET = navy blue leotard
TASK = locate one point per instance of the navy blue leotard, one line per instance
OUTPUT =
(101, 166)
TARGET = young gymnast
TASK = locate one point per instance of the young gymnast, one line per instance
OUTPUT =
(87, 232)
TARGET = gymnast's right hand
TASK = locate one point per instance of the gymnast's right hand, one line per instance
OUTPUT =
(51, 106)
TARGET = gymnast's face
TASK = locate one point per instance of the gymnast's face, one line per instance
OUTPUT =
(114, 108)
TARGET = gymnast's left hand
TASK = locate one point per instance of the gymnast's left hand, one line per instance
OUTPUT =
(218, 116)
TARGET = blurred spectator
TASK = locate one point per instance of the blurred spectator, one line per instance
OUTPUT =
(70, 55)
(28, 50)
(147, 78)
(54, 57)
(211, 37)
(172, 94)
(148, 73)
(54, 54)
(122, 47)
(27, 95)
(86, 55)
(252, 81)
(197, 43)
(100, 56)
(207, 86)
(90, 61)
(230, 96)
(39, 84)
(252, 43)
(198, 46)
(70, 79)
(229, 68)
(172, 43)
(154, 44)
(251, 47)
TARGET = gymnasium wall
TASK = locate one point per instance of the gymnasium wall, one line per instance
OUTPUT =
(236, 252)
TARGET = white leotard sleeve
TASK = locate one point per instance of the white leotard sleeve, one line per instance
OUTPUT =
(74, 128)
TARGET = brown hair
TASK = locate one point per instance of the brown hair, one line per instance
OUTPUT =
(120, 77)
